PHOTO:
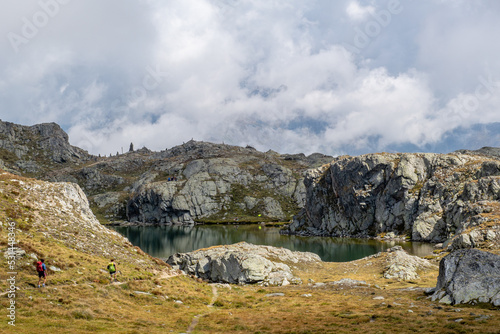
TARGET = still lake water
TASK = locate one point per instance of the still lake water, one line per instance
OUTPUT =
(163, 241)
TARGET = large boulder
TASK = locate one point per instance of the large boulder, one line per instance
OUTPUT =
(468, 276)
(242, 263)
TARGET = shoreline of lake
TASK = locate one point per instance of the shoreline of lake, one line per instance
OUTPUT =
(161, 241)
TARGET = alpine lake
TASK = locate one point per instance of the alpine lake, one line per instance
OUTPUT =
(165, 240)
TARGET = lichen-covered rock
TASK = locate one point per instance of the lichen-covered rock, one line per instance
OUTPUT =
(111, 204)
(468, 276)
(428, 197)
(242, 263)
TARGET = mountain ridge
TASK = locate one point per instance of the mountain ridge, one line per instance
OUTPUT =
(420, 196)
(213, 182)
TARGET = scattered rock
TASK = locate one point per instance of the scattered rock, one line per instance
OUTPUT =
(390, 235)
(143, 293)
(277, 294)
(394, 249)
(349, 282)
(483, 237)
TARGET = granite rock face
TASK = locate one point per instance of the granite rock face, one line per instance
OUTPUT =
(428, 197)
(216, 187)
(217, 182)
(243, 263)
(468, 276)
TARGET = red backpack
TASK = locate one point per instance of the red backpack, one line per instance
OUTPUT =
(39, 266)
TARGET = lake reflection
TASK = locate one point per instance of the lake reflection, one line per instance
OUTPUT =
(163, 241)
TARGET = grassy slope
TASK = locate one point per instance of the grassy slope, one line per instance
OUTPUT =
(80, 299)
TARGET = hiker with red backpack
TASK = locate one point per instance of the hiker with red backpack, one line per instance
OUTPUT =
(42, 272)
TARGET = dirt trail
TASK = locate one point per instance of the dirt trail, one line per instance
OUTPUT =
(196, 318)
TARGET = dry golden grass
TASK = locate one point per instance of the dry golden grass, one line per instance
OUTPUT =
(80, 298)
(90, 306)
(338, 309)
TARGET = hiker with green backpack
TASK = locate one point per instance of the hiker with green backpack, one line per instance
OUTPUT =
(112, 268)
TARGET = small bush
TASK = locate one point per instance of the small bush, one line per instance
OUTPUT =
(218, 303)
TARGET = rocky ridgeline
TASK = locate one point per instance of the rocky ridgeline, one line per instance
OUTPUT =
(428, 197)
(34, 149)
(212, 182)
(208, 182)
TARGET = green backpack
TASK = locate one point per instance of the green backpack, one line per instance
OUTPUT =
(111, 267)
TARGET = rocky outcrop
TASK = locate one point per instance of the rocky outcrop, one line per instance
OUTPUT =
(243, 263)
(402, 266)
(32, 149)
(487, 151)
(222, 183)
(60, 212)
(427, 197)
(218, 187)
(468, 276)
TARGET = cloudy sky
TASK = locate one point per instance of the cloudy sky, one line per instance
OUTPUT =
(337, 77)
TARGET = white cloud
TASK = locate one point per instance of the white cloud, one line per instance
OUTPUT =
(271, 74)
(357, 12)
